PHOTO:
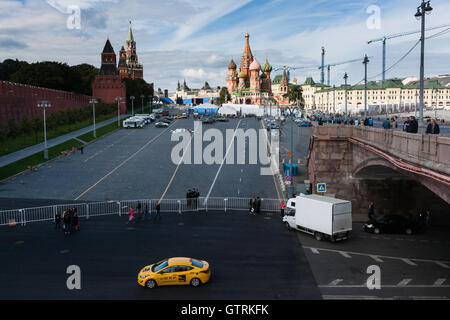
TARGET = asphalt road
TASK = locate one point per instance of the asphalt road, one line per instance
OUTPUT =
(136, 164)
(251, 258)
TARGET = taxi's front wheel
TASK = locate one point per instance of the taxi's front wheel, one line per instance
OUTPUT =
(150, 284)
(195, 282)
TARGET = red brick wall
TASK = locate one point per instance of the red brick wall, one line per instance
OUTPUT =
(106, 89)
(18, 99)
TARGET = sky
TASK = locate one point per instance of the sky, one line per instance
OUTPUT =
(195, 39)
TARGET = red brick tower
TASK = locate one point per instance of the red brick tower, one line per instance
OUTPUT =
(108, 84)
(246, 59)
(232, 79)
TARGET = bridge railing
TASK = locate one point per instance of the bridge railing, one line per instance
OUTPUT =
(429, 151)
(89, 210)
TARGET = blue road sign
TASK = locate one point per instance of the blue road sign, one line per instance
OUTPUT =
(321, 187)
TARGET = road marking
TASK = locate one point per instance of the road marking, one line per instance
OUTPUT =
(335, 282)
(439, 282)
(123, 162)
(346, 255)
(176, 170)
(443, 265)
(406, 260)
(356, 286)
(376, 258)
(404, 282)
(315, 251)
(223, 161)
(409, 262)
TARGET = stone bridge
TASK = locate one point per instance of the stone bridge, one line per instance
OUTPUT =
(394, 169)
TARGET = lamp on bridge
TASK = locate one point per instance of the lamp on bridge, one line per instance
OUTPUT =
(44, 105)
(94, 101)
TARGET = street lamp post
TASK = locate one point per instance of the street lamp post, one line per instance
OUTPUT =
(142, 103)
(345, 98)
(420, 14)
(132, 105)
(118, 110)
(93, 101)
(415, 107)
(435, 106)
(365, 62)
(44, 105)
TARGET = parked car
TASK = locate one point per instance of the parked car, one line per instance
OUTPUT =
(305, 124)
(395, 223)
(222, 119)
(161, 125)
(207, 120)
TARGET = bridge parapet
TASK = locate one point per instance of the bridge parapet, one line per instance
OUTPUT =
(426, 151)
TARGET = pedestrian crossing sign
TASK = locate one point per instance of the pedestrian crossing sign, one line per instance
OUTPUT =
(321, 187)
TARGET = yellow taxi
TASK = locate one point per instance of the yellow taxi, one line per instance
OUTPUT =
(178, 117)
(175, 271)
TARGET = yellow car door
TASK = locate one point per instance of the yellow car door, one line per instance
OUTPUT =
(183, 274)
(166, 277)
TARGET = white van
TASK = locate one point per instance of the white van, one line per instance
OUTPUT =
(321, 216)
(134, 122)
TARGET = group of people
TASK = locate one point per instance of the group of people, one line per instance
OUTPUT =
(192, 196)
(143, 213)
(70, 220)
(255, 206)
(411, 125)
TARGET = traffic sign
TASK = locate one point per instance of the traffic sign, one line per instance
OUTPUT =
(321, 187)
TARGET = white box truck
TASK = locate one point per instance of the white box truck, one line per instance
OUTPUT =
(321, 216)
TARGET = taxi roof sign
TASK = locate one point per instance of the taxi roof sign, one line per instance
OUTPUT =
(321, 187)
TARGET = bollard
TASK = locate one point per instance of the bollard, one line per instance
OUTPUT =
(120, 209)
(225, 201)
(87, 211)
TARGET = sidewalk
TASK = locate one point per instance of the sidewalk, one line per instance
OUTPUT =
(15, 156)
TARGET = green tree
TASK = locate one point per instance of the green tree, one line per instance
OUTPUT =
(224, 96)
(295, 95)
(2, 133)
(13, 128)
(25, 125)
(37, 124)
(8, 67)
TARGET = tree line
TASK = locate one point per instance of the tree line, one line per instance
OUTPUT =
(50, 74)
(54, 120)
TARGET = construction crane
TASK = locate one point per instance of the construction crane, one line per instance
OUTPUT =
(397, 35)
(289, 69)
(328, 66)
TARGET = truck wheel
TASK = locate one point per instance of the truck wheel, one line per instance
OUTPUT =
(288, 227)
(318, 236)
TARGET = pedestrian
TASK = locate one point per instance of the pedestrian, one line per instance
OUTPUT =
(130, 216)
(145, 212)
(366, 122)
(82, 149)
(320, 123)
(406, 125)
(386, 124)
(189, 198)
(370, 122)
(157, 214)
(282, 207)
(356, 122)
(196, 195)
(394, 124)
(414, 125)
(66, 221)
(258, 205)
(58, 220)
(138, 207)
(251, 210)
(75, 223)
(352, 122)
(433, 127)
(371, 212)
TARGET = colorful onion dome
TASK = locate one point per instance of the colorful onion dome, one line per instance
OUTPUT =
(266, 67)
(232, 65)
(255, 65)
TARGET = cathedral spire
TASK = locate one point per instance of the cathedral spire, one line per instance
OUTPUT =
(130, 34)
(247, 50)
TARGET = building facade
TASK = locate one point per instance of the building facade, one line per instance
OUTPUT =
(392, 96)
(252, 85)
(205, 94)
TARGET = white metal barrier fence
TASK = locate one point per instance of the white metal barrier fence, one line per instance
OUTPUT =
(87, 210)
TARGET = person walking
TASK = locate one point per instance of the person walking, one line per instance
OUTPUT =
(386, 124)
(67, 221)
(251, 210)
(138, 207)
(407, 125)
(433, 127)
(414, 125)
(130, 216)
(157, 214)
(371, 212)
(258, 205)
(58, 220)
(282, 207)
(75, 222)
